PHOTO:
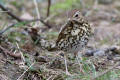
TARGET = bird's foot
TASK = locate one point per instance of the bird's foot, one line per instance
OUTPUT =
(67, 73)
(82, 71)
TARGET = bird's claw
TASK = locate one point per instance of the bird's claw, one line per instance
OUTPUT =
(67, 73)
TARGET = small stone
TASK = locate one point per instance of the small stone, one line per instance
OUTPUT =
(99, 53)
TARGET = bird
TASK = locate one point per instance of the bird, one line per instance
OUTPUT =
(73, 36)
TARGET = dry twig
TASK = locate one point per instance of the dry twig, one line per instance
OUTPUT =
(36, 7)
(10, 13)
(25, 71)
(20, 52)
(48, 8)
(17, 55)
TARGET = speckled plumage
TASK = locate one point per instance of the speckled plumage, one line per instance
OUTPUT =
(74, 35)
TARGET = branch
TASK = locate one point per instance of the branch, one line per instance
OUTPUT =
(41, 20)
(2, 31)
(10, 13)
(17, 55)
(48, 8)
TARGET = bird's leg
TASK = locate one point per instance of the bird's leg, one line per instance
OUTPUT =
(65, 59)
(81, 70)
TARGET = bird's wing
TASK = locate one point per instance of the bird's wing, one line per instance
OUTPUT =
(63, 31)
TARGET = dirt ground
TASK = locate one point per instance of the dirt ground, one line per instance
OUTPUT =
(22, 59)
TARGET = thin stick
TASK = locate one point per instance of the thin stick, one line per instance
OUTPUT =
(50, 17)
(25, 71)
(48, 8)
(95, 4)
(37, 10)
(10, 53)
(50, 77)
(20, 52)
(10, 13)
(41, 20)
(10, 26)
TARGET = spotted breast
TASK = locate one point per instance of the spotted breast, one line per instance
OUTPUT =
(74, 35)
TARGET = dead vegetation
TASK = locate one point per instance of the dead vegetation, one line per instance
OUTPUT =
(23, 58)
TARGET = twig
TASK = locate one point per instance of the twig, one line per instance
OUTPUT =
(20, 52)
(50, 17)
(50, 77)
(10, 53)
(48, 8)
(25, 71)
(37, 10)
(95, 4)
(108, 70)
(10, 13)
(46, 24)
(2, 31)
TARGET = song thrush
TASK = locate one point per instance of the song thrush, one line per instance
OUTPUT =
(74, 35)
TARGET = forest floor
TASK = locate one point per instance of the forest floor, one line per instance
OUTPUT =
(22, 59)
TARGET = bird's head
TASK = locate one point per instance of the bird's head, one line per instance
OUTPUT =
(75, 15)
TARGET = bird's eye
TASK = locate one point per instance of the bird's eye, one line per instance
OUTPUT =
(76, 15)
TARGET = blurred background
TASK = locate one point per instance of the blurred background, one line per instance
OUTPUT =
(45, 18)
